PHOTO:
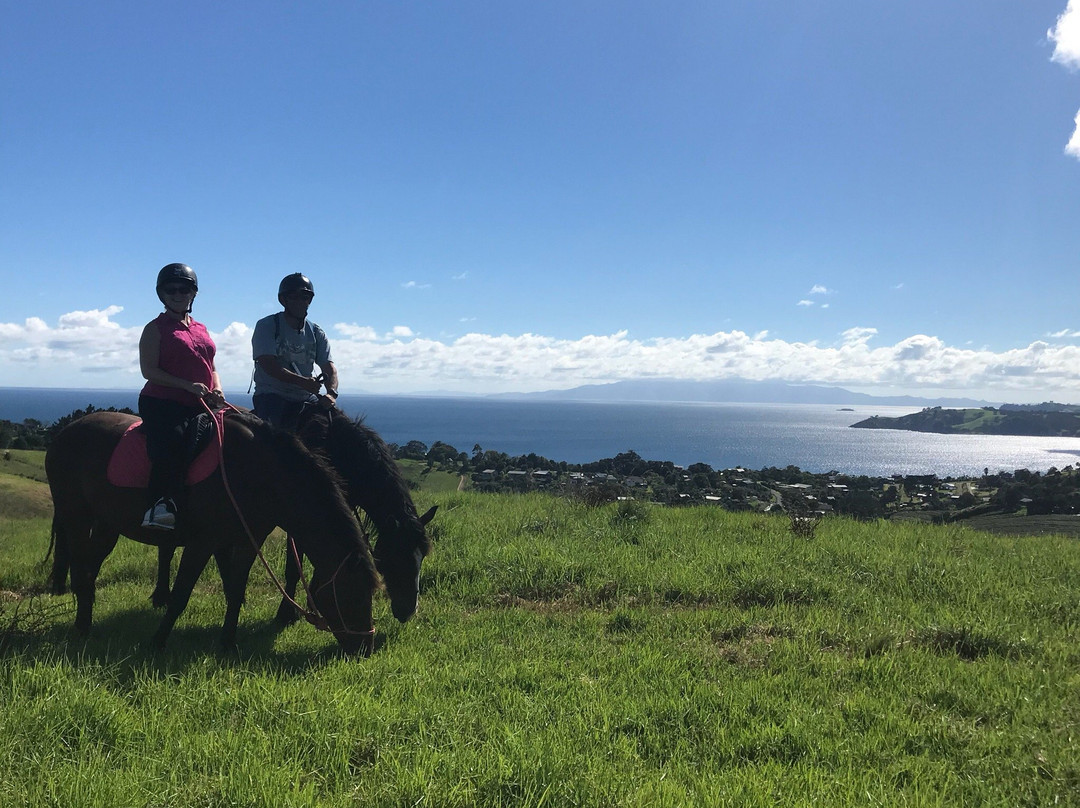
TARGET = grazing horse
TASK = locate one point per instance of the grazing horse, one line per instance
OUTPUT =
(373, 484)
(270, 479)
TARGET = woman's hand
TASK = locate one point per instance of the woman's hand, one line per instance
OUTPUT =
(215, 399)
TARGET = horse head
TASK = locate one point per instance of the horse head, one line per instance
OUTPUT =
(375, 485)
(398, 555)
(348, 618)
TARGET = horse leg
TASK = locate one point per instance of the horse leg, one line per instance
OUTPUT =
(287, 613)
(192, 562)
(86, 560)
(160, 596)
(234, 564)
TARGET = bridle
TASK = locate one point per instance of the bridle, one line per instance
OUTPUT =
(310, 613)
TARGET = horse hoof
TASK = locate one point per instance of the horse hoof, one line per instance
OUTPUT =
(286, 616)
(229, 651)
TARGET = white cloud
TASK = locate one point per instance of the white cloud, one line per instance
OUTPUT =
(1073, 146)
(1066, 36)
(805, 303)
(88, 349)
(415, 285)
(239, 330)
(1065, 333)
(90, 319)
(362, 333)
(818, 289)
(857, 336)
(82, 341)
(460, 277)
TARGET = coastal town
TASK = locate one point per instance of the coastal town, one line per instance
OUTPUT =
(788, 490)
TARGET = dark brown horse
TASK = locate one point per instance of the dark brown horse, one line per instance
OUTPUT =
(273, 480)
(373, 484)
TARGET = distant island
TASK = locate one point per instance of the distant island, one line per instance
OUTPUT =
(731, 391)
(1033, 420)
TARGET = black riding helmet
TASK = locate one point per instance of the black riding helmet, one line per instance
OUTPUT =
(173, 273)
(294, 283)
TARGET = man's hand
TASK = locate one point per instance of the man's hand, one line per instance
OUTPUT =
(310, 385)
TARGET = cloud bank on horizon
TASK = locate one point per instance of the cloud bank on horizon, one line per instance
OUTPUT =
(91, 346)
(1066, 38)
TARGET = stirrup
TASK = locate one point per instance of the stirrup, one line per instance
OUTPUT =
(161, 516)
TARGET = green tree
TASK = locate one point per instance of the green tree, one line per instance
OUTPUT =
(413, 450)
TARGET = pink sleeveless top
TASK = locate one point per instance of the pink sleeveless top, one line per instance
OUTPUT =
(187, 352)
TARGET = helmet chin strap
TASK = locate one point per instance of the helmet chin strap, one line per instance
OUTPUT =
(190, 304)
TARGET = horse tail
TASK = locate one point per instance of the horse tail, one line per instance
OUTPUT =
(52, 542)
(58, 542)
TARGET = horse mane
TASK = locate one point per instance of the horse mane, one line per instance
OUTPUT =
(365, 456)
(313, 482)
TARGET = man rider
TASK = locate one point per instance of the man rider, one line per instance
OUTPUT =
(286, 347)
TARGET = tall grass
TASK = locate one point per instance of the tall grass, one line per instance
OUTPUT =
(623, 655)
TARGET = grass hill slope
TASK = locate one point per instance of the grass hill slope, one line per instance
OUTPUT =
(624, 655)
(982, 421)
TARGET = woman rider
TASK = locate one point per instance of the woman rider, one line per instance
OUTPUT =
(176, 356)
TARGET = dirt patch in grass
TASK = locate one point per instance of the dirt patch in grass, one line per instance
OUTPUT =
(748, 645)
(1018, 524)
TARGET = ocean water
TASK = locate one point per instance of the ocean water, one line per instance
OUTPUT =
(815, 438)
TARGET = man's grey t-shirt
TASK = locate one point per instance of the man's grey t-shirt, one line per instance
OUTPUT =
(298, 351)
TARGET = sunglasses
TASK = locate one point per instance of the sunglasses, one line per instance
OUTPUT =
(178, 289)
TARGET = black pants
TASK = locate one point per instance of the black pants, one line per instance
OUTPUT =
(164, 423)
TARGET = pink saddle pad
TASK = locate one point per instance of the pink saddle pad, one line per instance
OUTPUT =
(129, 466)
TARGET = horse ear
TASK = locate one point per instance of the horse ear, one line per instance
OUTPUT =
(427, 517)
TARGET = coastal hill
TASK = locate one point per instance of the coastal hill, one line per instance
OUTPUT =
(1042, 420)
(731, 391)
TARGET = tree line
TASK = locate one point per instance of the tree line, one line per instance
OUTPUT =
(31, 433)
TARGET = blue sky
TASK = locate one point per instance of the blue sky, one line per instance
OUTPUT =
(527, 196)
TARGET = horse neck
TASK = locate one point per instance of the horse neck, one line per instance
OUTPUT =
(372, 478)
(304, 494)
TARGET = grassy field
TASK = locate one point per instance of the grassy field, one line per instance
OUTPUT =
(428, 479)
(626, 655)
(22, 493)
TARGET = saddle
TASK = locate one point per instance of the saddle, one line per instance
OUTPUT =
(129, 466)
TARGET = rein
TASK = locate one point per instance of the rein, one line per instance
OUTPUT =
(312, 614)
